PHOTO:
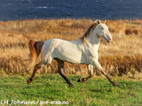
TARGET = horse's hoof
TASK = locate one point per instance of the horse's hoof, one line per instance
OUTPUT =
(79, 80)
(115, 84)
(29, 81)
(70, 85)
(82, 80)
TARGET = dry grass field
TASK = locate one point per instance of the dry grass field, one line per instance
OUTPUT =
(123, 56)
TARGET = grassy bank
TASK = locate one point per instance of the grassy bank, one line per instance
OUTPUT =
(49, 88)
(122, 56)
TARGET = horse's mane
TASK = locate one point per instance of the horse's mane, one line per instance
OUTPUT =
(92, 27)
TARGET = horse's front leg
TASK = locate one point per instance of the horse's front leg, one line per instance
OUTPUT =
(96, 64)
(90, 71)
(60, 67)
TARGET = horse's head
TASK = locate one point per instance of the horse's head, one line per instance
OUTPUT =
(103, 31)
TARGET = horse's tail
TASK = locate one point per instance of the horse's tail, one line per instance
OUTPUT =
(35, 50)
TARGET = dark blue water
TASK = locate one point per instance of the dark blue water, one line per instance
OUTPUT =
(93, 9)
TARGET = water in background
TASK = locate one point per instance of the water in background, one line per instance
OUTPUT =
(93, 9)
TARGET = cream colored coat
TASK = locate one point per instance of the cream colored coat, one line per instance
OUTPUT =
(77, 51)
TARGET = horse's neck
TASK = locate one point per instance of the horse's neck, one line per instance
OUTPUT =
(92, 45)
(93, 40)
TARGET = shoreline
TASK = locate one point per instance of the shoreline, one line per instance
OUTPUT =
(30, 19)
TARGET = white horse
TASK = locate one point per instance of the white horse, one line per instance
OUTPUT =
(82, 51)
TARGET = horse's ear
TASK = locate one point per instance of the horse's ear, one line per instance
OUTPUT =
(105, 22)
(97, 22)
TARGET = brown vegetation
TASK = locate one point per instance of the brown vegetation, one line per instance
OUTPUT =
(123, 55)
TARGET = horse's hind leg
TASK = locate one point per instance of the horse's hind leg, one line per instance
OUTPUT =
(37, 66)
(90, 70)
(60, 67)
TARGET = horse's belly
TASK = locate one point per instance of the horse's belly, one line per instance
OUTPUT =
(69, 54)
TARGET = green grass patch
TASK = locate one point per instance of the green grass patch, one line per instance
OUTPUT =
(51, 88)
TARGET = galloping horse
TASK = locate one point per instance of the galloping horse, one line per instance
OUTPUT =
(82, 51)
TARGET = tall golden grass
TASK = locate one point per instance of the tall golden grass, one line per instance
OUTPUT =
(122, 56)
